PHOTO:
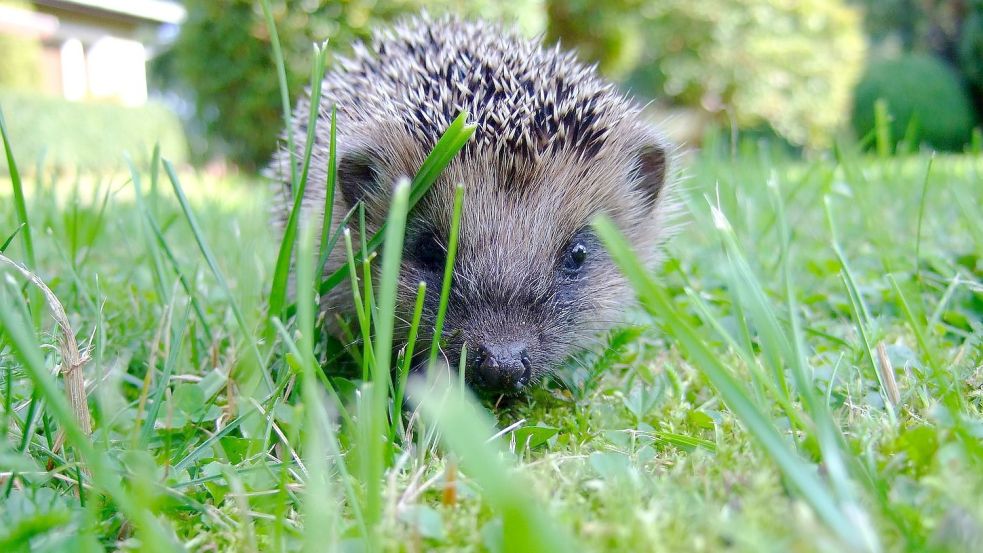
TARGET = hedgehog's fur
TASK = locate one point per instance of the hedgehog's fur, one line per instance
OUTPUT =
(554, 146)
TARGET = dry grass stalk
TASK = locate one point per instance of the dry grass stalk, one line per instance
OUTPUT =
(887, 374)
(72, 359)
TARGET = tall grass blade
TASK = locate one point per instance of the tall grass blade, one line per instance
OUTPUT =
(281, 74)
(923, 199)
(281, 272)
(882, 126)
(931, 356)
(153, 249)
(320, 507)
(445, 290)
(363, 321)
(404, 370)
(384, 322)
(176, 267)
(832, 443)
(20, 207)
(327, 223)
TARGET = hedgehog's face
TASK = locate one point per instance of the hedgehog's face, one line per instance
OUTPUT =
(532, 283)
(517, 307)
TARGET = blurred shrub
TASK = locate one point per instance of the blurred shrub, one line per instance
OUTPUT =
(791, 65)
(223, 58)
(950, 30)
(919, 87)
(20, 61)
(86, 135)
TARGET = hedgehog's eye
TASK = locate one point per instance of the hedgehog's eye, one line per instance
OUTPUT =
(428, 252)
(576, 253)
(576, 257)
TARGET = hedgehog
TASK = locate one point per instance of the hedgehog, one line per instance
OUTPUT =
(554, 145)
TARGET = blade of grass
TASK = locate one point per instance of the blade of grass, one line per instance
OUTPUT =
(206, 445)
(153, 249)
(295, 351)
(381, 378)
(281, 74)
(404, 370)
(155, 178)
(445, 290)
(749, 294)
(281, 272)
(320, 506)
(332, 242)
(20, 207)
(882, 128)
(368, 296)
(833, 447)
(329, 189)
(95, 224)
(6, 243)
(931, 356)
(921, 214)
(746, 353)
(681, 440)
(361, 237)
(363, 322)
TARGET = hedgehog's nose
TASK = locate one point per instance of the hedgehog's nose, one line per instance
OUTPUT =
(502, 367)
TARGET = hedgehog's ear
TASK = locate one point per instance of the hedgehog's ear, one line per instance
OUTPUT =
(652, 168)
(358, 177)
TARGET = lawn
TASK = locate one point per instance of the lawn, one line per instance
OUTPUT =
(805, 373)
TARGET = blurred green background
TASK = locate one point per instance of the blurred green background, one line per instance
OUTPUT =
(804, 72)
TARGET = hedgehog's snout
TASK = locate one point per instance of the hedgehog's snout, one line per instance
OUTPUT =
(501, 367)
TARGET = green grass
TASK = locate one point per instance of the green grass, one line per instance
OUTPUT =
(748, 409)
(805, 373)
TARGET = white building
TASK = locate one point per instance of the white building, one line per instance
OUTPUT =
(94, 49)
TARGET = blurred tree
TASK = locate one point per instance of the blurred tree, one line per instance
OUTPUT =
(791, 65)
(223, 58)
(20, 62)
